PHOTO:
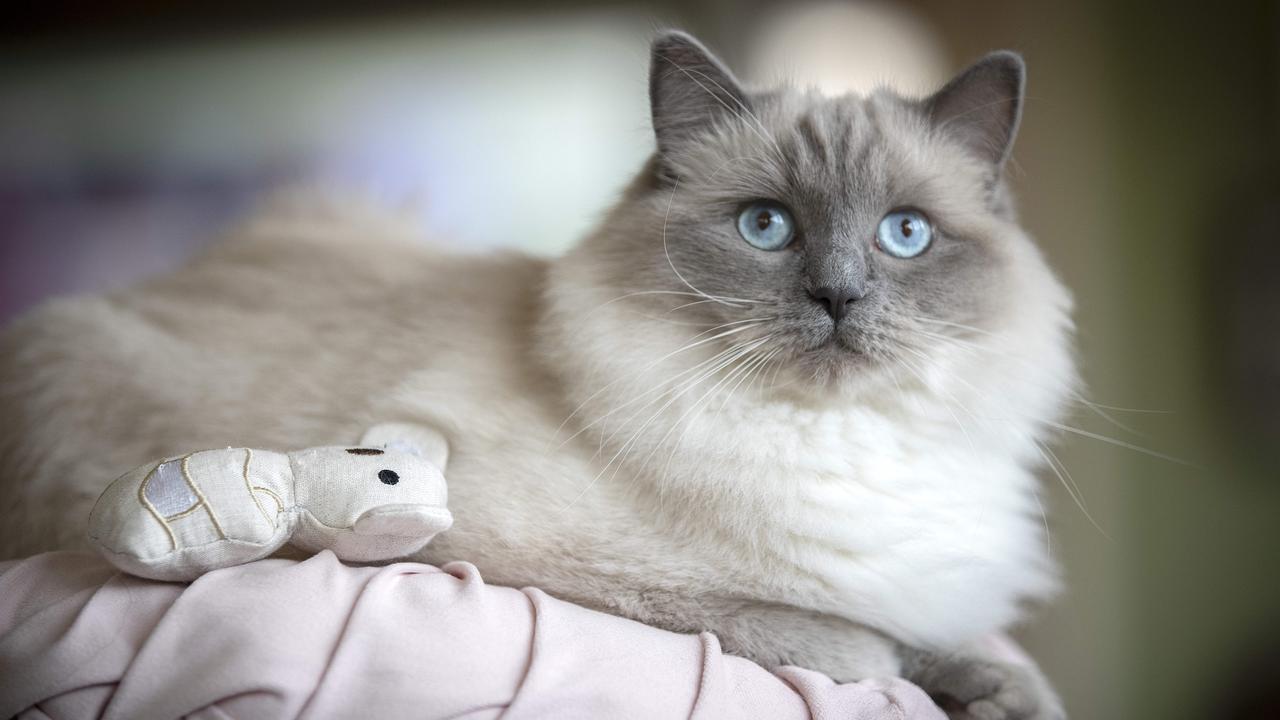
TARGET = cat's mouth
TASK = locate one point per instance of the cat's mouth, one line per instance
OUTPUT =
(834, 343)
(829, 350)
(837, 348)
(837, 340)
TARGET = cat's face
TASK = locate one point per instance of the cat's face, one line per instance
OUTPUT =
(846, 237)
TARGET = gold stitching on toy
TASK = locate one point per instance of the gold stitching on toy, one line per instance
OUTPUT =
(142, 498)
(187, 474)
(248, 457)
(185, 513)
(275, 497)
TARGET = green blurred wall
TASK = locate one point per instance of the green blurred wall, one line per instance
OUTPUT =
(1194, 90)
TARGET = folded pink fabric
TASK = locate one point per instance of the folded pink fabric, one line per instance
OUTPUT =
(317, 639)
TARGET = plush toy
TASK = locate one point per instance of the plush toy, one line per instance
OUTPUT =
(181, 517)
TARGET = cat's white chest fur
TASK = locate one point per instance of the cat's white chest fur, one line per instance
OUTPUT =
(914, 522)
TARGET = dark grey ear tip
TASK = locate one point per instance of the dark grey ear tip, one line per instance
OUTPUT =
(678, 43)
(1007, 63)
(672, 37)
(689, 89)
(1007, 57)
(983, 104)
(680, 49)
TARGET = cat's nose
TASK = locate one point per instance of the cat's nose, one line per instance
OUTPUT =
(836, 300)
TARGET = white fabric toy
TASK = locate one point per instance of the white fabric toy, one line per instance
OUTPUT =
(181, 517)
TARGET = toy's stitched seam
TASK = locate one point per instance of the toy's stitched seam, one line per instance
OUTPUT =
(214, 518)
(248, 457)
(142, 498)
(185, 513)
(275, 497)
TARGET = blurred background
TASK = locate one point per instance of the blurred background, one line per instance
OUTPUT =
(132, 133)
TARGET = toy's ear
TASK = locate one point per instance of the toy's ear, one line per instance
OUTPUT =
(420, 440)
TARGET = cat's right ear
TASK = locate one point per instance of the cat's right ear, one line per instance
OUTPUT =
(689, 90)
(981, 106)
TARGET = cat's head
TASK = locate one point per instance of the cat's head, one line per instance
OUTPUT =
(853, 241)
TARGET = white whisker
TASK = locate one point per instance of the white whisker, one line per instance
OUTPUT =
(697, 406)
(661, 389)
(1078, 499)
(626, 447)
(1048, 536)
(1119, 443)
(925, 358)
(1073, 395)
(737, 326)
(666, 219)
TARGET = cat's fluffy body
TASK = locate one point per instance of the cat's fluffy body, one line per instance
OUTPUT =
(901, 501)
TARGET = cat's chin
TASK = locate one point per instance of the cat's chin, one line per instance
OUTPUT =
(838, 369)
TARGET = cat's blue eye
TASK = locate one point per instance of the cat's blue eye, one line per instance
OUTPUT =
(766, 225)
(904, 233)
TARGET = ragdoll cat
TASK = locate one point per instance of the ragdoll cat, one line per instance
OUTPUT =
(792, 390)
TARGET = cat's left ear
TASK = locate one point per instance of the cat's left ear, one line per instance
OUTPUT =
(689, 90)
(981, 107)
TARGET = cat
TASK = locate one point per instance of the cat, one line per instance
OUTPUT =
(793, 389)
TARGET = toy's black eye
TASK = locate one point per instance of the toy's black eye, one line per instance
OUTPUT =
(364, 451)
(388, 476)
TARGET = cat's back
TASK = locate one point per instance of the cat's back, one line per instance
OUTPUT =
(284, 334)
(345, 270)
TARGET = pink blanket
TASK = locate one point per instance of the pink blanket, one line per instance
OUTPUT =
(278, 638)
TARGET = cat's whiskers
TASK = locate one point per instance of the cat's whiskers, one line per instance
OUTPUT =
(686, 305)
(761, 131)
(745, 363)
(902, 397)
(698, 371)
(730, 356)
(1054, 464)
(1073, 395)
(641, 373)
(1060, 426)
(735, 352)
(666, 220)
(764, 368)
(669, 321)
(921, 374)
(703, 370)
(743, 326)
(744, 371)
(1118, 443)
(780, 362)
(753, 371)
(658, 391)
(667, 312)
(638, 293)
(1073, 486)
(1044, 517)
(1050, 459)
(736, 326)
(1075, 494)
